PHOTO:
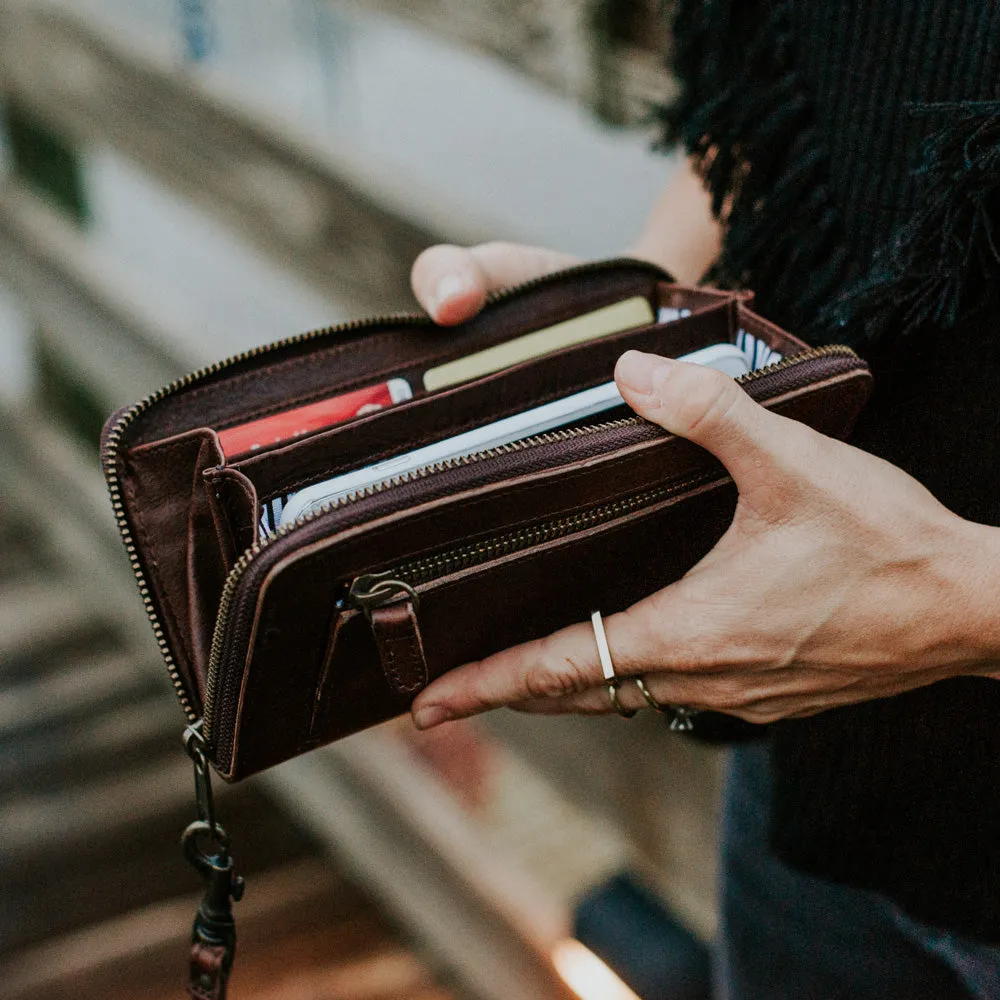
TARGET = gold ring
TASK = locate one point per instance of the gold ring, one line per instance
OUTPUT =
(625, 713)
(680, 717)
(650, 700)
(611, 680)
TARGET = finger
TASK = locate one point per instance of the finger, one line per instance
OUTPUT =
(766, 694)
(597, 701)
(712, 410)
(724, 691)
(733, 689)
(566, 662)
(593, 701)
(448, 283)
(452, 282)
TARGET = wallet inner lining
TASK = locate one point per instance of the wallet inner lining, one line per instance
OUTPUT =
(388, 432)
(315, 369)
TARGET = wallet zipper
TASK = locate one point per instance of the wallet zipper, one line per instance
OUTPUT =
(420, 571)
(426, 569)
(113, 442)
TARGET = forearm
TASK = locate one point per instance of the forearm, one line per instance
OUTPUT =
(681, 234)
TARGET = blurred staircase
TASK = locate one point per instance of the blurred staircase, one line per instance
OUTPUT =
(97, 900)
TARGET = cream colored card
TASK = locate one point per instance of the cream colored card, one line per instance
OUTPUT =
(625, 315)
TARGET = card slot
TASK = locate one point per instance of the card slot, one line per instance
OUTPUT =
(305, 370)
(232, 498)
(685, 299)
(334, 387)
(680, 299)
(433, 417)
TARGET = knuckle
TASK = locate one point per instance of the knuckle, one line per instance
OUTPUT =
(730, 694)
(543, 682)
(555, 675)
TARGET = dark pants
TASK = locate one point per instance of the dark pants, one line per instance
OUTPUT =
(789, 935)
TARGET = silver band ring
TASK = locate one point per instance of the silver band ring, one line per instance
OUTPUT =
(611, 680)
(680, 717)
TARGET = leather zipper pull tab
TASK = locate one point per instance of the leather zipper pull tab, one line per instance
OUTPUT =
(391, 608)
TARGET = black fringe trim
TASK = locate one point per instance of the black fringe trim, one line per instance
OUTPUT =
(940, 265)
(743, 115)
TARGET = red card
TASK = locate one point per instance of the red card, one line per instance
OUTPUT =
(247, 438)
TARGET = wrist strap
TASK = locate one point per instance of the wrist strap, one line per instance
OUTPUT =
(213, 936)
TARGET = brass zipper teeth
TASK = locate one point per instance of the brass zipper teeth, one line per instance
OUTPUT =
(241, 565)
(423, 570)
(112, 456)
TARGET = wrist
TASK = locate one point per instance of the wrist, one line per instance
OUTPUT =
(681, 234)
(980, 568)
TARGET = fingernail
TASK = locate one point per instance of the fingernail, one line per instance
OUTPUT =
(642, 373)
(430, 716)
(448, 287)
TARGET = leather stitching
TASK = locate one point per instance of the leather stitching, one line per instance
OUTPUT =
(403, 660)
(403, 657)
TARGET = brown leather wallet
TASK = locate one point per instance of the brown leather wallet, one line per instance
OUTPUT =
(334, 623)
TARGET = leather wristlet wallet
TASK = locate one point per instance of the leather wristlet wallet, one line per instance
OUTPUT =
(285, 640)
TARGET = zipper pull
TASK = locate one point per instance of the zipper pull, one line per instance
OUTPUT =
(372, 590)
(391, 607)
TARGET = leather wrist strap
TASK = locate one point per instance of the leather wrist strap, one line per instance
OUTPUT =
(209, 972)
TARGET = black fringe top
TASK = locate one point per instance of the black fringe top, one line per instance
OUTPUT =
(852, 149)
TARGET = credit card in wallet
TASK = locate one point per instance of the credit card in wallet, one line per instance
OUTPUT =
(579, 406)
(625, 315)
(288, 424)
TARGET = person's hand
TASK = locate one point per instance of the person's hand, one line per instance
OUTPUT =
(841, 579)
(452, 283)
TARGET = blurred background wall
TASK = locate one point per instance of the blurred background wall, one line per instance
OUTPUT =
(183, 179)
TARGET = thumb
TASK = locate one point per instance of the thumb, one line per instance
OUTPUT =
(706, 407)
